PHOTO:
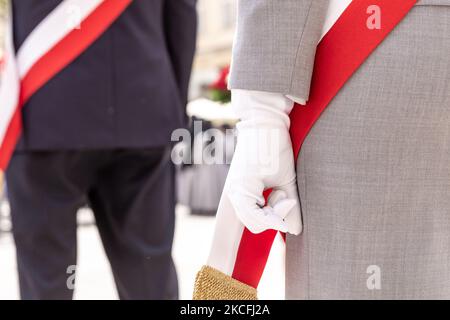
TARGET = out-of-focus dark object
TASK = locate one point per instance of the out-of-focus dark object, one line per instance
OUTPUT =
(208, 179)
(200, 184)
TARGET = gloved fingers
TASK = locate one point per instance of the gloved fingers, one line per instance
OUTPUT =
(293, 216)
(284, 207)
(255, 218)
(275, 197)
(279, 201)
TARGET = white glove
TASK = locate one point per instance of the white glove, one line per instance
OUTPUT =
(264, 159)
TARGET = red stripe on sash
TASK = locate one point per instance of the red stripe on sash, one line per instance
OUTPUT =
(55, 60)
(340, 53)
(253, 251)
(252, 257)
(10, 140)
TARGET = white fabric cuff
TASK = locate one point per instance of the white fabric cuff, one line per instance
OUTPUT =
(261, 105)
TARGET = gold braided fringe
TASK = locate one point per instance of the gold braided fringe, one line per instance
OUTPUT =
(211, 284)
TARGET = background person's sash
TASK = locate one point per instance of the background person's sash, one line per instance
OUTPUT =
(238, 257)
(56, 42)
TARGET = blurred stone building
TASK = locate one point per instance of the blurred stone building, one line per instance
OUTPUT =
(217, 20)
(2, 27)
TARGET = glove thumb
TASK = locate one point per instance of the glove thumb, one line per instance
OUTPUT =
(286, 204)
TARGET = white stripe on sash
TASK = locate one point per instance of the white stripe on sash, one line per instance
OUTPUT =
(52, 30)
(42, 39)
(227, 238)
(335, 10)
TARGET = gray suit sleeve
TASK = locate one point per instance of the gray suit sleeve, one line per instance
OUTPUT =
(275, 45)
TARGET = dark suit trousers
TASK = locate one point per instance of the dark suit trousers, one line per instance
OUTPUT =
(132, 195)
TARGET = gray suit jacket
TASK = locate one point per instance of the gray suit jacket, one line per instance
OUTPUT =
(374, 175)
(276, 43)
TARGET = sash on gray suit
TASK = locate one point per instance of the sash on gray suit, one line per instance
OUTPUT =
(374, 175)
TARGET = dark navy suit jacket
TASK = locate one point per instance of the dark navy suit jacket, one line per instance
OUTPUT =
(128, 90)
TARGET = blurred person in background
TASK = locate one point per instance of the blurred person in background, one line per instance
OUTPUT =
(99, 133)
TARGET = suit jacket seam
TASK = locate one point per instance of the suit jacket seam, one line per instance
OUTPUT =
(299, 47)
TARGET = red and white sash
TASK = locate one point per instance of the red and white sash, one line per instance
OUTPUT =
(346, 44)
(49, 48)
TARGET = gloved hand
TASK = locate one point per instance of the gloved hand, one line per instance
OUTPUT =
(264, 159)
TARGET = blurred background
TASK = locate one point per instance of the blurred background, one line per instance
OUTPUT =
(199, 185)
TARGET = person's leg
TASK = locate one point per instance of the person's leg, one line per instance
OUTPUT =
(45, 189)
(374, 176)
(134, 206)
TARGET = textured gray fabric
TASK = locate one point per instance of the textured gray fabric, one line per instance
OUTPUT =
(433, 2)
(374, 175)
(275, 45)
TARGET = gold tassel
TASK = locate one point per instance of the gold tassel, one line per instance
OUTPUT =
(1, 183)
(211, 284)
